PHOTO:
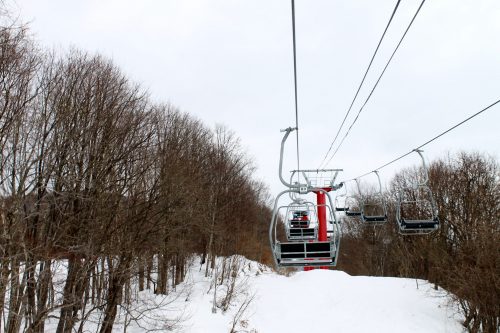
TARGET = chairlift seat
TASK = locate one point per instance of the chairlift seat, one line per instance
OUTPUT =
(330, 234)
(419, 224)
(351, 213)
(300, 254)
(375, 218)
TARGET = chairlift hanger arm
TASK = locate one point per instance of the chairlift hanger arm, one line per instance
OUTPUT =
(287, 132)
(379, 182)
(426, 171)
(303, 188)
(359, 188)
(344, 186)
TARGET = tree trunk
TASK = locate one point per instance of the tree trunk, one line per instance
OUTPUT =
(44, 281)
(72, 295)
(115, 290)
(140, 263)
(16, 295)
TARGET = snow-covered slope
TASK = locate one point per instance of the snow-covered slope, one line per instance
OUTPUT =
(266, 302)
(322, 301)
(327, 301)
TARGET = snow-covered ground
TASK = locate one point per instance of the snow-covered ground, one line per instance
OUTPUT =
(326, 301)
(314, 301)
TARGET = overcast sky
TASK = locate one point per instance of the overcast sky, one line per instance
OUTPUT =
(230, 62)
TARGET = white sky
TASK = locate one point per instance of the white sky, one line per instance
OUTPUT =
(230, 62)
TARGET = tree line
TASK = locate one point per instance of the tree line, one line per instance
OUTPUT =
(122, 189)
(463, 256)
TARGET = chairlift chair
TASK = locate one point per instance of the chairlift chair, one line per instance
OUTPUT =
(416, 216)
(299, 219)
(416, 211)
(338, 206)
(373, 211)
(297, 252)
(298, 225)
(312, 253)
(352, 207)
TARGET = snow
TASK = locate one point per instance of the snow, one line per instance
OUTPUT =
(325, 301)
(318, 300)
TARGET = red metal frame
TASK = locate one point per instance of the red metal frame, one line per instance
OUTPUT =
(322, 228)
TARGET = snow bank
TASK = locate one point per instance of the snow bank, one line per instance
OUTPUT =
(314, 301)
(326, 301)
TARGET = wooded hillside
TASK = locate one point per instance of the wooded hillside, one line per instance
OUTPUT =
(463, 256)
(94, 173)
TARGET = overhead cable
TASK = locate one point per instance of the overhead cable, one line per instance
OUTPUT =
(362, 81)
(377, 82)
(429, 141)
(295, 85)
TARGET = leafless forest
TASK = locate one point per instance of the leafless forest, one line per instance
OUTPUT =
(95, 174)
(463, 256)
(126, 191)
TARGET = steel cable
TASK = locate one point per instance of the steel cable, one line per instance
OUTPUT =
(377, 82)
(431, 140)
(361, 83)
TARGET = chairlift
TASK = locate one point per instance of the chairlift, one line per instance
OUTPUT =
(298, 221)
(374, 209)
(304, 253)
(352, 207)
(416, 211)
(299, 250)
